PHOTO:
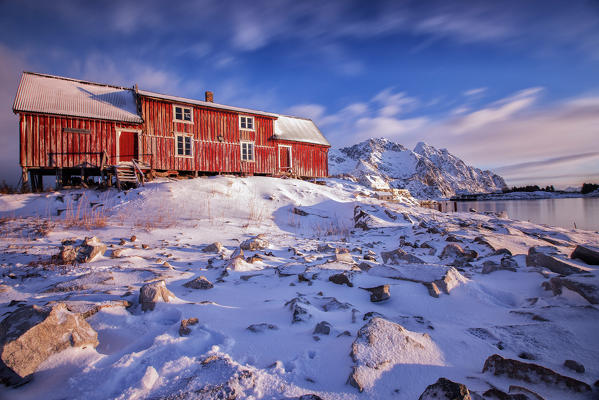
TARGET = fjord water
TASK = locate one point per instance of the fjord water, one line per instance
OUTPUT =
(584, 212)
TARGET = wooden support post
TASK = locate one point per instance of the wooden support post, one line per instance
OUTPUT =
(24, 180)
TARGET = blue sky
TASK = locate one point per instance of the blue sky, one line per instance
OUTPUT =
(512, 86)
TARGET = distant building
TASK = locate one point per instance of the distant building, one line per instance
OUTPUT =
(72, 127)
(392, 194)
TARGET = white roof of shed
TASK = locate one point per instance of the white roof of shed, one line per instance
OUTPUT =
(177, 99)
(64, 96)
(298, 130)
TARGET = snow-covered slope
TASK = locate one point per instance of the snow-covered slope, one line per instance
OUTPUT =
(426, 171)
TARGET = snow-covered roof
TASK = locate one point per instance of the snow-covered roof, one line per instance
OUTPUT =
(298, 130)
(203, 103)
(49, 94)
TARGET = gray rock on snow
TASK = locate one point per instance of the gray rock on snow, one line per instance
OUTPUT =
(379, 293)
(399, 256)
(31, 334)
(152, 293)
(89, 249)
(587, 289)
(444, 389)
(201, 282)
(184, 328)
(262, 327)
(547, 257)
(459, 255)
(257, 242)
(340, 279)
(322, 328)
(531, 373)
(215, 247)
(574, 366)
(587, 253)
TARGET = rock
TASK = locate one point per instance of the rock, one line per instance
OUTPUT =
(444, 389)
(254, 258)
(456, 252)
(31, 334)
(299, 212)
(369, 257)
(215, 247)
(90, 250)
(530, 395)
(436, 278)
(364, 266)
(263, 327)
(589, 291)
(587, 253)
(145, 246)
(496, 394)
(322, 328)
(381, 344)
(325, 248)
(185, 329)
(116, 253)
(332, 304)
(258, 242)
(340, 279)
(237, 253)
(399, 256)
(152, 293)
(122, 242)
(66, 255)
(310, 396)
(290, 269)
(502, 251)
(491, 266)
(298, 306)
(379, 293)
(133, 238)
(531, 373)
(361, 219)
(451, 238)
(574, 366)
(507, 262)
(88, 308)
(199, 283)
(343, 256)
(545, 257)
(83, 282)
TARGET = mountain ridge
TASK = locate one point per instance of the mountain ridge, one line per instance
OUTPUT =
(426, 171)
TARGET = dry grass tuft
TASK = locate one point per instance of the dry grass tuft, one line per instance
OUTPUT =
(84, 216)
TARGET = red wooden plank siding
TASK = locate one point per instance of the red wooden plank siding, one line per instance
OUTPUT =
(308, 160)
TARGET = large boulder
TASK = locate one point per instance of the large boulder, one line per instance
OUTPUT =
(87, 251)
(547, 257)
(587, 289)
(399, 256)
(531, 373)
(257, 242)
(152, 293)
(587, 253)
(31, 334)
(444, 389)
(381, 344)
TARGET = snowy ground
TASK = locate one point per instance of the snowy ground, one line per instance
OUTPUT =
(142, 355)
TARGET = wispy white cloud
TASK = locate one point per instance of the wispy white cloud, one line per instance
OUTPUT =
(475, 91)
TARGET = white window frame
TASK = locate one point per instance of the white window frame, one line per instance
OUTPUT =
(246, 142)
(184, 136)
(183, 108)
(118, 141)
(290, 155)
(243, 120)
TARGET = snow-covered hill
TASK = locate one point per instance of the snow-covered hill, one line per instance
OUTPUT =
(426, 171)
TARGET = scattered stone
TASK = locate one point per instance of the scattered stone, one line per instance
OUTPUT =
(444, 389)
(502, 251)
(399, 256)
(215, 247)
(515, 389)
(325, 248)
(199, 283)
(145, 246)
(574, 366)
(531, 373)
(122, 242)
(254, 258)
(452, 238)
(152, 293)
(492, 266)
(436, 278)
(361, 219)
(263, 327)
(587, 253)
(133, 238)
(340, 279)
(332, 304)
(379, 293)
(237, 253)
(546, 257)
(456, 252)
(344, 333)
(381, 344)
(185, 329)
(364, 266)
(88, 308)
(167, 264)
(299, 212)
(258, 242)
(343, 256)
(587, 290)
(496, 394)
(527, 356)
(31, 334)
(298, 306)
(83, 282)
(322, 328)
(310, 396)
(117, 253)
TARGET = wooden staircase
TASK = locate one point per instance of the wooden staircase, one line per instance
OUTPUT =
(129, 174)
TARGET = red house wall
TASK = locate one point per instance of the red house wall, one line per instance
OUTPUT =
(46, 144)
(307, 159)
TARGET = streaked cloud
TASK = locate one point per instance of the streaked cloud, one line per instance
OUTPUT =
(475, 91)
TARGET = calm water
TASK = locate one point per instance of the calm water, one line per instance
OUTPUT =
(584, 212)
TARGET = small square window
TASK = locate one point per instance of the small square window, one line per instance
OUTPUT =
(183, 114)
(246, 122)
(247, 151)
(183, 146)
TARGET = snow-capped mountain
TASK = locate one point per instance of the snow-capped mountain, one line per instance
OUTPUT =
(426, 171)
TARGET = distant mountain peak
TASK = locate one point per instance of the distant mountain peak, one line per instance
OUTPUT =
(426, 171)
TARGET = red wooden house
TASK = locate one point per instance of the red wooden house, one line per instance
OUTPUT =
(72, 127)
